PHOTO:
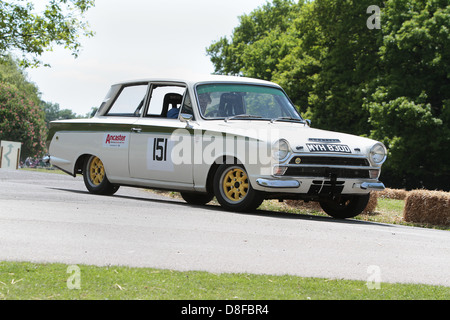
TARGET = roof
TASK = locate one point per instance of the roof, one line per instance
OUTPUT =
(193, 79)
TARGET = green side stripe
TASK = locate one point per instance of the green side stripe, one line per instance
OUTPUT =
(126, 128)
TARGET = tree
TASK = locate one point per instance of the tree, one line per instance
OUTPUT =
(23, 114)
(410, 104)
(253, 39)
(53, 112)
(30, 32)
(390, 83)
(22, 121)
(12, 73)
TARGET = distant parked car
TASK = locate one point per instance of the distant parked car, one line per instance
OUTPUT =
(239, 139)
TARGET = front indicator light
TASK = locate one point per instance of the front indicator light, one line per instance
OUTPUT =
(374, 174)
(279, 171)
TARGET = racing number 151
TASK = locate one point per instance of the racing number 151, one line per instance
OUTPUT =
(160, 149)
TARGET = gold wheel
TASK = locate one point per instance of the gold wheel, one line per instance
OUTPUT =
(235, 184)
(96, 171)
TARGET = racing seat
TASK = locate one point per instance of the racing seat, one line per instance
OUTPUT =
(230, 104)
(174, 99)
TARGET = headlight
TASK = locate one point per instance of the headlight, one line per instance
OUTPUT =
(280, 150)
(378, 154)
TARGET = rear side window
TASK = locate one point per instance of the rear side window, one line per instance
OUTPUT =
(130, 101)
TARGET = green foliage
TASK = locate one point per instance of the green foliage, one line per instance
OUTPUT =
(11, 73)
(405, 127)
(32, 32)
(23, 112)
(53, 112)
(258, 35)
(391, 84)
(21, 120)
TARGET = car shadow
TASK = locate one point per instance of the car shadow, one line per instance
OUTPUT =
(212, 207)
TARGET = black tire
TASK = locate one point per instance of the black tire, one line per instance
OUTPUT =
(343, 207)
(233, 190)
(95, 179)
(197, 198)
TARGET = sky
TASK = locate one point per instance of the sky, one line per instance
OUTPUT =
(136, 39)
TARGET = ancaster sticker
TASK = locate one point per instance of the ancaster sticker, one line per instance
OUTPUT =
(116, 140)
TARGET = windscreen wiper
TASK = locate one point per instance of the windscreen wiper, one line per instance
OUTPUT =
(242, 116)
(290, 119)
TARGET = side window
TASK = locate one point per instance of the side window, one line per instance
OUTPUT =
(163, 99)
(187, 105)
(130, 102)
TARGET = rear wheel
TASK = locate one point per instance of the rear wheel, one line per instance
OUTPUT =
(233, 189)
(345, 206)
(197, 198)
(95, 179)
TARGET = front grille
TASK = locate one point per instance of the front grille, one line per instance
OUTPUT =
(330, 161)
(322, 140)
(327, 172)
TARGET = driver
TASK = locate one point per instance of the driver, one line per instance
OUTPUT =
(205, 100)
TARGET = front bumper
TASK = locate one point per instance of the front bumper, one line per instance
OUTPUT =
(377, 186)
(295, 184)
(281, 184)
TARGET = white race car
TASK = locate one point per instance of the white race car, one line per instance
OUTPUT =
(239, 139)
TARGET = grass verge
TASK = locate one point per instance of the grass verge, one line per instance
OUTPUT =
(29, 281)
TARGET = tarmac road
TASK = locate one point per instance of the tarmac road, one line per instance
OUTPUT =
(52, 218)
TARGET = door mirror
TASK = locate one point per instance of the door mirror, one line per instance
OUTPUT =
(185, 117)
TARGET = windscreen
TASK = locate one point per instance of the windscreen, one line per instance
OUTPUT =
(239, 101)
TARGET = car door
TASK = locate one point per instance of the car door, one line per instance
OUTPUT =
(113, 129)
(155, 139)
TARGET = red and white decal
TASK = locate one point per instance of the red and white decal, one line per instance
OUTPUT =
(116, 140)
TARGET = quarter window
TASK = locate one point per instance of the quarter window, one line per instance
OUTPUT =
(130, 101)
(187, 105)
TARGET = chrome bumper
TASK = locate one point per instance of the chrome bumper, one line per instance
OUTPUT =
(375, 186)
(278, 183)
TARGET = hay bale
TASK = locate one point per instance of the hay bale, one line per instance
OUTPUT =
(396, 194)
(372, 205)
(429, 207)
(300, 204)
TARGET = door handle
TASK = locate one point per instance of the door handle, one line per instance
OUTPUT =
(137, 130)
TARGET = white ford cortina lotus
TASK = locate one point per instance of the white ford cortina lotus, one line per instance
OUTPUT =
(238, 139)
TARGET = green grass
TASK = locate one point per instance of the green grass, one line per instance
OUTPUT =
(29, 281)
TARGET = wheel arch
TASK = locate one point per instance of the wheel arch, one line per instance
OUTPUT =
(212, 170)
(79, 164)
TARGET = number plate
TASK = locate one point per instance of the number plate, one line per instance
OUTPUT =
(319, 147)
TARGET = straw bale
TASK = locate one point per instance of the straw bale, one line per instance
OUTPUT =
(396, 194)
(430, 207)
(372, 205)
(300, 204)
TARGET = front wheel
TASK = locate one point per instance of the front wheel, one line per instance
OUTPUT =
(95, 179)
(233, 190)
(345, 206)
